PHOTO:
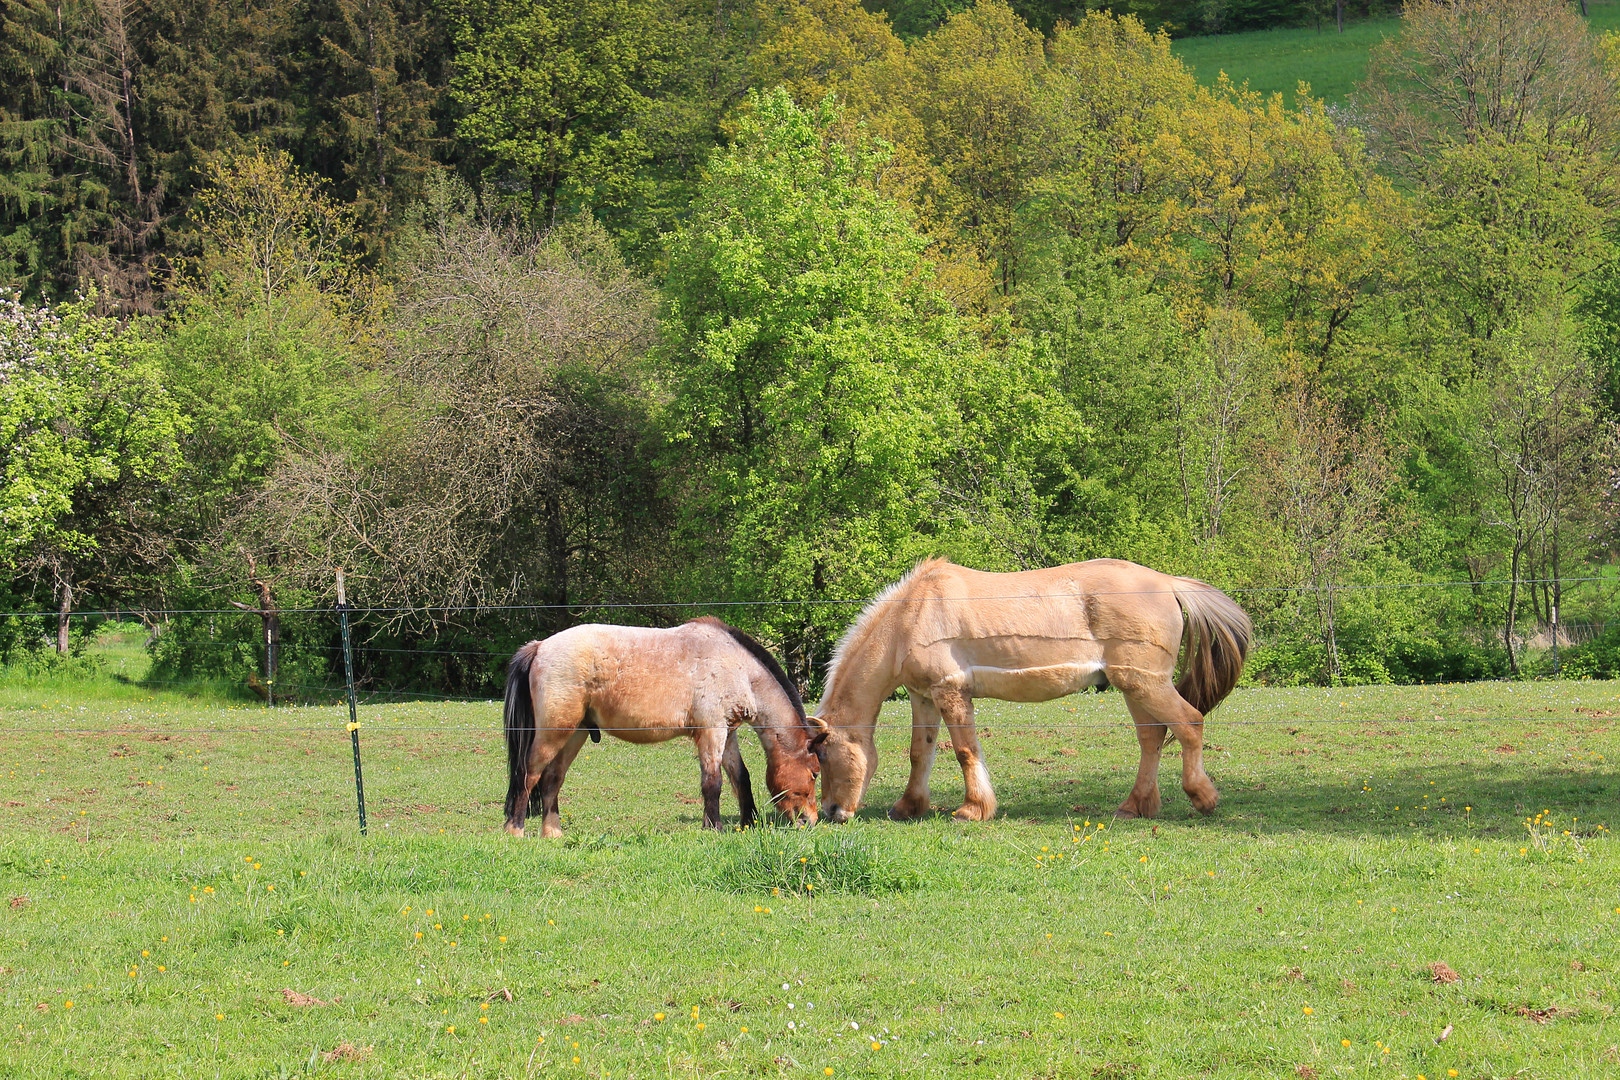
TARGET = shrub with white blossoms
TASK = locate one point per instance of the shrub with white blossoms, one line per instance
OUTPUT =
(82, 410)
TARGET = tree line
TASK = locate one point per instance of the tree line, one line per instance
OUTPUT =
(575, 305)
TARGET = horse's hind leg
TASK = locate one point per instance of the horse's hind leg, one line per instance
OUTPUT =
(551, 781)
(915, 801)
(1144, 801)
(741, 785)
(1169, 709)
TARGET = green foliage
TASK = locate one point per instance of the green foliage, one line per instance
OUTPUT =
(805, 359)
(548, 92)
(85, 422)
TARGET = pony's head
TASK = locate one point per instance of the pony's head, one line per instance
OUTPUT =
(790, 775)
(848, 760)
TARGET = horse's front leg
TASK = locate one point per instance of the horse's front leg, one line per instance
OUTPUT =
(955, 706)
(711, 748)
(915, 802)
(741, 785)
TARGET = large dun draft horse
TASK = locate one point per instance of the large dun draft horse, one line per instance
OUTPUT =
(949, 635)
(702, 680)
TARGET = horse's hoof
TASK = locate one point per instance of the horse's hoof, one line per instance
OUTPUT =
(1125, 813)
(515, 830)
(907, 810)
(972, 812)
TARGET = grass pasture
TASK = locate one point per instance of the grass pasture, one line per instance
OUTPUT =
(183, 879)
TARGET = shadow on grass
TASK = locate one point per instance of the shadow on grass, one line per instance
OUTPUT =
(1488, 799)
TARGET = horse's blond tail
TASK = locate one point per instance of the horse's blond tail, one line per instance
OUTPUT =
(1215, 642)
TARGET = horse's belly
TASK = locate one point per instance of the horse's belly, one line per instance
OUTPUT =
(1034, 683)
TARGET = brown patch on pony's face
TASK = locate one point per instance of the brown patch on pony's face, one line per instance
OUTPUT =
(792, 784)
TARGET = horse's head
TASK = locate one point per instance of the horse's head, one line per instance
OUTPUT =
(790, 776)
(848, 759)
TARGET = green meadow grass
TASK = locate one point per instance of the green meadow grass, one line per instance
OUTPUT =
(1277, 61)
(174, 868)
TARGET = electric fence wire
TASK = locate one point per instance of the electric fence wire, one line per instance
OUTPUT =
(428, 610)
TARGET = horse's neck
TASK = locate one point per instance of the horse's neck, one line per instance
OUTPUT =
(862, 682)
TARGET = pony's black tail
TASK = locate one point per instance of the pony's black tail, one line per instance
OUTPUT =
(519, 730)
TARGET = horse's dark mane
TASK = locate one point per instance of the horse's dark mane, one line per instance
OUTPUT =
(766, 660)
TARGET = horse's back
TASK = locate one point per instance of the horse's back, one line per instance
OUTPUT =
(1101, 599)
(642, 684)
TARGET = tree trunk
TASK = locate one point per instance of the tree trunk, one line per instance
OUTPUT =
(1512, 613)
(271, 619)
(555, 593)
(1340, 6)
(1330, 635)
(64, 612)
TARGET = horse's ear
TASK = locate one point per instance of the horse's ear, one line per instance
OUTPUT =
(818, 733)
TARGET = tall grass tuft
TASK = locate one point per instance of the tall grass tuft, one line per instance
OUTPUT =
(803, 862)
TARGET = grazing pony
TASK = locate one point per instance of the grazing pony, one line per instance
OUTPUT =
(702, 680)
(949, 635)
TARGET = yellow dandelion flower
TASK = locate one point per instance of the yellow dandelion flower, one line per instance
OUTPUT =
(451, 1029)
(483, 1019)
(745, 1031)
(67, 1004)
(700, 1027)
(828, 1070)
(219, 1016)
(1058, 1015)
(503, 939)
(576, 1060)
(484, 1006)
(419, 935)
(877, 1046)
(1309, 1010)
(162, 968)
(659, 1017)
(1344, 1042)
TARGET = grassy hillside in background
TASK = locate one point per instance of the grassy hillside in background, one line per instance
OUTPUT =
(1276, 61)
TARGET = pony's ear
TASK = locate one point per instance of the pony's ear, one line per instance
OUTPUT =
(818, 733)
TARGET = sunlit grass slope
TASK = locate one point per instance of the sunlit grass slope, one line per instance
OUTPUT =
(1276, 61)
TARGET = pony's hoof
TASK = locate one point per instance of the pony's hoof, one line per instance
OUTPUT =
(515, 830)
(1206, 806)
(550, 832)
(973, 812)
